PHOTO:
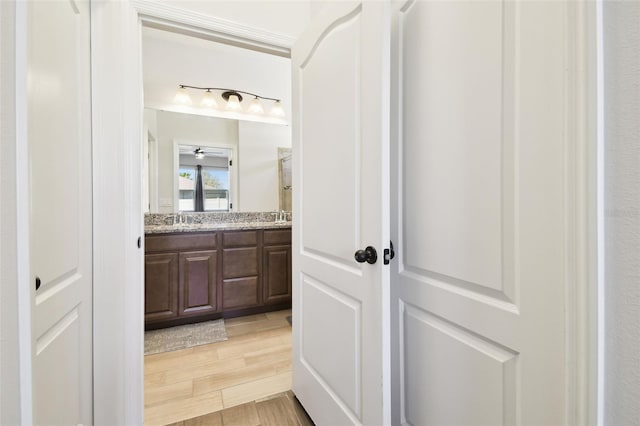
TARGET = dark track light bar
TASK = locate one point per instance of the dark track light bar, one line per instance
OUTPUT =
(183, 86)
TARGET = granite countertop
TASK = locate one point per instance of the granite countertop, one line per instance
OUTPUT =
(203, 227)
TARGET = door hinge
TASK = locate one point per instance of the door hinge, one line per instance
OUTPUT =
(389, 253)
(231, 162)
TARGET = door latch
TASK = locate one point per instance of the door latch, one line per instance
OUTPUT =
(389, 253)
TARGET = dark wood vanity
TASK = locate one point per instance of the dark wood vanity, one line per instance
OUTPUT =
(198, 276)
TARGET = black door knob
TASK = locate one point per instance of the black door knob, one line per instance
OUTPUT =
(369, 255)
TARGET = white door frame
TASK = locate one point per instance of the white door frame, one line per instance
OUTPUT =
(584, 240)
(117, 145)
(117, 132)
(21, 219)
(583, 255)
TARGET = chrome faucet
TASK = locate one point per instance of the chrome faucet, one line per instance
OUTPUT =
(280, 217)
(179, 218)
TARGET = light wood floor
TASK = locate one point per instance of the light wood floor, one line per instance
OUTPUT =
(253, 364)
(277, 410)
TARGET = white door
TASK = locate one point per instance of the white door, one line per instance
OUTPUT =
(59, 139)
(478, 198)
(340, 147)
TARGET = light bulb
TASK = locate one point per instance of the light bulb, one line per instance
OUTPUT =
(182, 96)
(277, 110)
(233, 103)
(255, 107)
(208, 100)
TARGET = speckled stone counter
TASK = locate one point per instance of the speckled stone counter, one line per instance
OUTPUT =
(157, 223)
(203, 227)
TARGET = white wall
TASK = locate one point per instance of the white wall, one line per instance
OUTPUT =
(258, 162)
(150, 159)
(9, 357)
(185, 128)
(288, 17)
(622, 212)
(151, 121)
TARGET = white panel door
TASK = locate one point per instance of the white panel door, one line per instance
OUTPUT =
(59, 138)
(478, 202)
(340, 147)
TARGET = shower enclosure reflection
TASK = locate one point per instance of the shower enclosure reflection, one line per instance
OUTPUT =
(284, 178)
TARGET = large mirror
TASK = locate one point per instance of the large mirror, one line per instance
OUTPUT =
(200, 163)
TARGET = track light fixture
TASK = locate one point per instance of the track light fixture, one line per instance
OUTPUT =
(233, 99)
(182, 96)
(208, 100)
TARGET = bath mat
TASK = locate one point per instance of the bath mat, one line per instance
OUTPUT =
(184, 336)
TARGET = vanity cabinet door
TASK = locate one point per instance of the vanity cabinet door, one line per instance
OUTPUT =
(160, 286)
(197, 287)
(276, 271)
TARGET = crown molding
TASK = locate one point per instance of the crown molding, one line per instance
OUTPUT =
(158, 15)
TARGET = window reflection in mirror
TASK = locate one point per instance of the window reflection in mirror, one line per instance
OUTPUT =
(204, 174)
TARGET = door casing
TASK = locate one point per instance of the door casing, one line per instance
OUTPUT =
(117, 112)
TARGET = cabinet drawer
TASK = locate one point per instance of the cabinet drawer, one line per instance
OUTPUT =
(274, 237)
(179, 242)
(240, 292)
(240, 238)
(239, 262)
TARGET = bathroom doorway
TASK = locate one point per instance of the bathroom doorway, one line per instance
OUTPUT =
(211, 265)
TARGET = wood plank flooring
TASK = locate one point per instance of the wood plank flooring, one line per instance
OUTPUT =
(254, 364)
(277, 410)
